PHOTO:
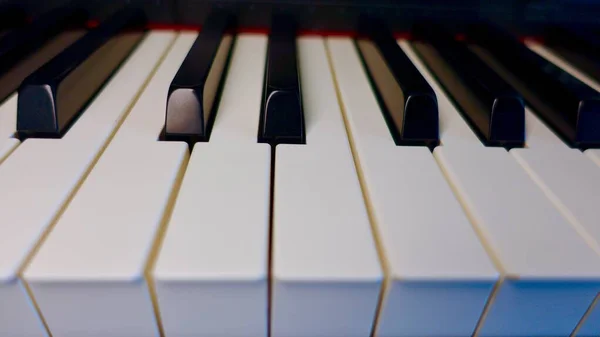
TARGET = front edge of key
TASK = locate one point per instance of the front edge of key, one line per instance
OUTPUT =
(193, 94)
(282, 116)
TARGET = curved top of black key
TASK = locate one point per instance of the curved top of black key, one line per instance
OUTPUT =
(492, 106)
(193, 92)
(52, 97)
(282, 116)
(408, 103)
(569, 106)
(15, 45)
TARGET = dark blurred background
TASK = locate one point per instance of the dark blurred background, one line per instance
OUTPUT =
(340, 15)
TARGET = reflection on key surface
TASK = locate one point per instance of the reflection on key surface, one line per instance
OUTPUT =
(194, 93)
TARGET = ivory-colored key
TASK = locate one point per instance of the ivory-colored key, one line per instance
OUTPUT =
(38, 179)
(7, 146)
(211, 275)
(566, 175)
(88, 277)
(549, 273)
(438, 276)
(325, 268)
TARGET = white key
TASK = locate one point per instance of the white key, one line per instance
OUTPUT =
(212, 272)
(439, 275)
(569, 179)
(566, 175)
(8, 125)
(87, 277)
(452, 128)
(38, 179)
(539, 137)
(549, 273)
(7, 146)
(326, 272)
(593, 154)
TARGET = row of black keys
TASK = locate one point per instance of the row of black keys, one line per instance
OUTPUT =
(58, 70)
(489, 78)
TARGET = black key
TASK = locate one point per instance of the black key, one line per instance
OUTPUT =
(195, 90)
(408, 103)
(52, 97)
(282, 117)
(576, 45)
(567, 105)
(22, 51)
(494, 109)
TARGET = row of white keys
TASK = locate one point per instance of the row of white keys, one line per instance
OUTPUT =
(567, 175)
(438, 274)
(550, 275)
(326, 275)
(571, 181)
(88, 277)
(38, 179)
(212, 271)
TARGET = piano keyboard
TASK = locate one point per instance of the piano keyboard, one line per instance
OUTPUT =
(227, 184)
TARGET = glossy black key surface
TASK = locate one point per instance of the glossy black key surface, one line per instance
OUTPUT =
(282, 117)
(193, 93)
(566, 104)
(24, 50)
(52, 97)
(494, 109)
(408, 103)
(577, 45)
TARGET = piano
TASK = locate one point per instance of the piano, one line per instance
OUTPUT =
(339, 168)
